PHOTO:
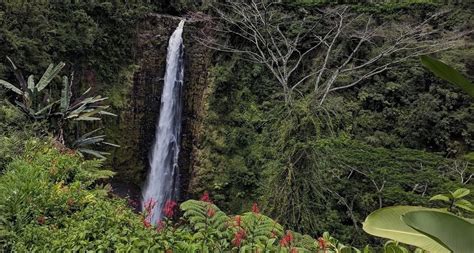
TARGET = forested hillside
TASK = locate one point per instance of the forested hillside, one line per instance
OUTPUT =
(312, 119)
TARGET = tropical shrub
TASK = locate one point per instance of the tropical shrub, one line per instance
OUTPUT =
(40, 103)
(15, 128)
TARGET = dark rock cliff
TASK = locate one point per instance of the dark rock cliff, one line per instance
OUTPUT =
(134, 128)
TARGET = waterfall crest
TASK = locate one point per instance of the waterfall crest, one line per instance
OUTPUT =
(163, 179)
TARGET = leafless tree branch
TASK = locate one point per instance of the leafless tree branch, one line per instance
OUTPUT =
(282, 43)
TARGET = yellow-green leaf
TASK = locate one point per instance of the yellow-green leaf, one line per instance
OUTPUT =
(387, 223)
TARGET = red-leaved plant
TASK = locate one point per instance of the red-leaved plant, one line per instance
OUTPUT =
(169, 209)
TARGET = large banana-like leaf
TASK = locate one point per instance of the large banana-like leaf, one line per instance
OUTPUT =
(65, 94)
(18, 75)
(75, 113)
(79, 99)
(111, 144)
(98, 154)
(11, 87)
(88, 113)
(86, 135)
(387, 223)
(25, 108)
(31, 83)
(452, 231)
(107, 113)
(91, 100)
(87, 138)
(87, 118)
(49, 75)
(88, 141)
(44, 109)
(447, 73)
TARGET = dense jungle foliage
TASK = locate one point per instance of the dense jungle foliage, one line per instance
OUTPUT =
(301, 174)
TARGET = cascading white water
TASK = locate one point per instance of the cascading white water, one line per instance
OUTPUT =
(163, 179)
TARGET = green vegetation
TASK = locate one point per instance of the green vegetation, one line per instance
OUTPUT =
(435, 230)
(289, 127)
(355, 153)
(59, 205)
(39, 104)
(448, 73)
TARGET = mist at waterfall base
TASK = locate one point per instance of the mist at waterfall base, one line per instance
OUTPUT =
(162, 183)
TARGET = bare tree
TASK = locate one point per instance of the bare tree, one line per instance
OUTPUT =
(272, 44)
(463, 170)
(332, 40)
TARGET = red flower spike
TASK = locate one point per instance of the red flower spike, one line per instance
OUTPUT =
(238, 220)
(290, 236)
(146, 223)
(149, 205)
(211, 212)
(148, 212)
(168, 210)
(238, 237)
(205, 197)
(322, 243)
(286, 240)
(255, 208)
(160, 225)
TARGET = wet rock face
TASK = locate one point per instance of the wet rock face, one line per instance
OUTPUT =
(135, 126)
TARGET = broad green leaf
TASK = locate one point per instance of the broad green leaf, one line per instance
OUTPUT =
(441, 197)
(111, 144)
(65, 94)
(88, 141)
(447, 73)
(95, 153)
(90, 133)
(464, 204)
(107, 113)
(11, 87)
(49, 75)
(31, 83)
(386, 222)
(447, 229)
(44, 109)
(462, 192)
(86, 118)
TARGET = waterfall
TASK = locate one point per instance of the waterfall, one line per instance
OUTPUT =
(163, 179)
